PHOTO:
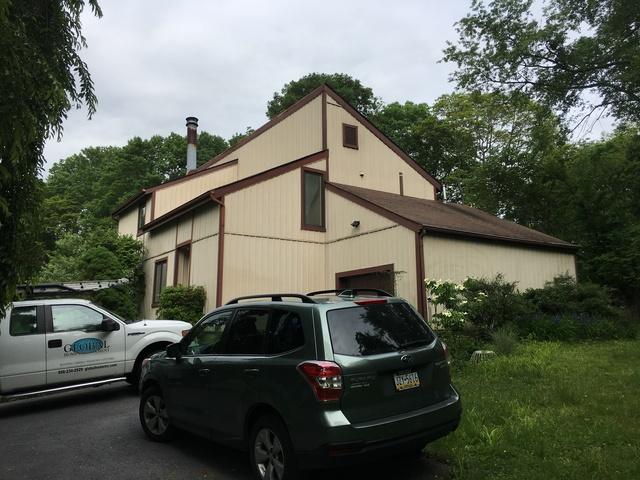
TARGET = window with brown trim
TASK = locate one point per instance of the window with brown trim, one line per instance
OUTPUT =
(159, 280)
(183, 265)
(142, 210)
(312, 200)
(349, 136)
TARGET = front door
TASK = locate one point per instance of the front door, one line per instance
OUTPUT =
(77, 349)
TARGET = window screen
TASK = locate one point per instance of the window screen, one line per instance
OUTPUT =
(248, 332)
(313, 199)
(285, 332)
(373, 329)
(159, 280)
(24, 321)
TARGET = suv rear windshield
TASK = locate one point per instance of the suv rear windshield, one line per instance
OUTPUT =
(373, 329)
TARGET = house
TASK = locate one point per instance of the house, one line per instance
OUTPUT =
(318, 198)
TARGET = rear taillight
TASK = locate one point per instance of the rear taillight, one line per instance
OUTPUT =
(325, 379)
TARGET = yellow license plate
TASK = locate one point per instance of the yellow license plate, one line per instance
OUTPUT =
(405, 381)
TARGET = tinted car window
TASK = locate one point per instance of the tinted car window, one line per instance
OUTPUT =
(248, 332)
(24, 321)
(285, 332)
(207, 338)
(373, 329)
(75, 317)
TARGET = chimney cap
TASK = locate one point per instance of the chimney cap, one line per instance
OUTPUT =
(192, 121)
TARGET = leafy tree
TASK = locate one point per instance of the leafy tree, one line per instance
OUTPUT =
(100, 254)
(236, 137)
(351, 89)
(575, 49)
(41, 78)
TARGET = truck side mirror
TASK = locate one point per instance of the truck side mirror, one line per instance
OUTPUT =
(109, 325)
(174, 351)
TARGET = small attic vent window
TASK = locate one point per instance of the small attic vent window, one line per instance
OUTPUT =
(349, 136)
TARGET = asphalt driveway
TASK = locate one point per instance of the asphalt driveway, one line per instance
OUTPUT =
(95, 434)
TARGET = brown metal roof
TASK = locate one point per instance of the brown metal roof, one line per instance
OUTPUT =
(453, 219)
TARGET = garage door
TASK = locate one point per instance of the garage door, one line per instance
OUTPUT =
(380, 277)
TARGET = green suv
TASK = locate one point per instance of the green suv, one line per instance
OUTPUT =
(305, 381)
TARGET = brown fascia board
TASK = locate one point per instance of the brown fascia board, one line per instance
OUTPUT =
(149, 190)
(130, 202)
(215, 194)
(272, 123)
(382, 137)
(405, 222)
(200, 200)
(194, 173)
(447, 232)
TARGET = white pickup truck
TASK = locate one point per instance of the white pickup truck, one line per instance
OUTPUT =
(62, 344)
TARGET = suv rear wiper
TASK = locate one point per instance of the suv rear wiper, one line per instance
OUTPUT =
(415, 343)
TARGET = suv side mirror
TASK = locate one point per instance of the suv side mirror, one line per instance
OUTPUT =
(174, 351)
(109, 325)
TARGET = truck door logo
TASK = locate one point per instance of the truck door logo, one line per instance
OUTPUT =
(85, 345)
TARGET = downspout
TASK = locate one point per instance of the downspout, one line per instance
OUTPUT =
(220, 278)
(420, 275)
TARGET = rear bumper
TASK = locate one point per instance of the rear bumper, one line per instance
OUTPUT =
(356, 443)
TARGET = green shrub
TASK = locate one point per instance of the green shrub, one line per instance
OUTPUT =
(182, 303)
(505, 340)
(493, 303)
(460, 346)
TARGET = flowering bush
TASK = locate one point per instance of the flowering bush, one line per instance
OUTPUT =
(449, 303)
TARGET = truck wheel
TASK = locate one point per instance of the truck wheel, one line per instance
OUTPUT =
(134, 377)
(154, 417)
(270, 450)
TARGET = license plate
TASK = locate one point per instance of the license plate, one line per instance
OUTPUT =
(406, 380)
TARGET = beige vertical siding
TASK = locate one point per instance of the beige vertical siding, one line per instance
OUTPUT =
(296, 136)
(341, 213)
(205, 222)
(161, 241)
(263, 265)
(319, 165)
(456, 259)
(185, 224)
(128, 223)
(379, 164)
(269, 209)
(204, 267)
(174, 195)
(394, 245)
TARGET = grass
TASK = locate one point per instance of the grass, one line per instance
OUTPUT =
(549, 411)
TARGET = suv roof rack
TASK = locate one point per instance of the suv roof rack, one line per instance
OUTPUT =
(67, 288)
(275, 297)
(351, 292)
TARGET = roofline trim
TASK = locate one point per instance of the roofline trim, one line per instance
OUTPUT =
(382, 137)
(405, 222)
(447, 232)
(215, 194)
(194, 173)
(271, 123)
(130, 203)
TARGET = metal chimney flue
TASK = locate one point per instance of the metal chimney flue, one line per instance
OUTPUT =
(192, 140)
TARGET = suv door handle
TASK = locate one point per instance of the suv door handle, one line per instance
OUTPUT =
(55, 343)
(251, 371)
(203, 372)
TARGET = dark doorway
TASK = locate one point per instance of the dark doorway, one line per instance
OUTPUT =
(380, 277)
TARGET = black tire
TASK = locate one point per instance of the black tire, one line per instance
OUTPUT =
(134, 377)
(154, 417)
(270, 450)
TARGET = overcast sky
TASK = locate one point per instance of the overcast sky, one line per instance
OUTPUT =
(156, 62)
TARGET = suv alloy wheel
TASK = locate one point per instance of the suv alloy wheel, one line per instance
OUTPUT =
(271, 452)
